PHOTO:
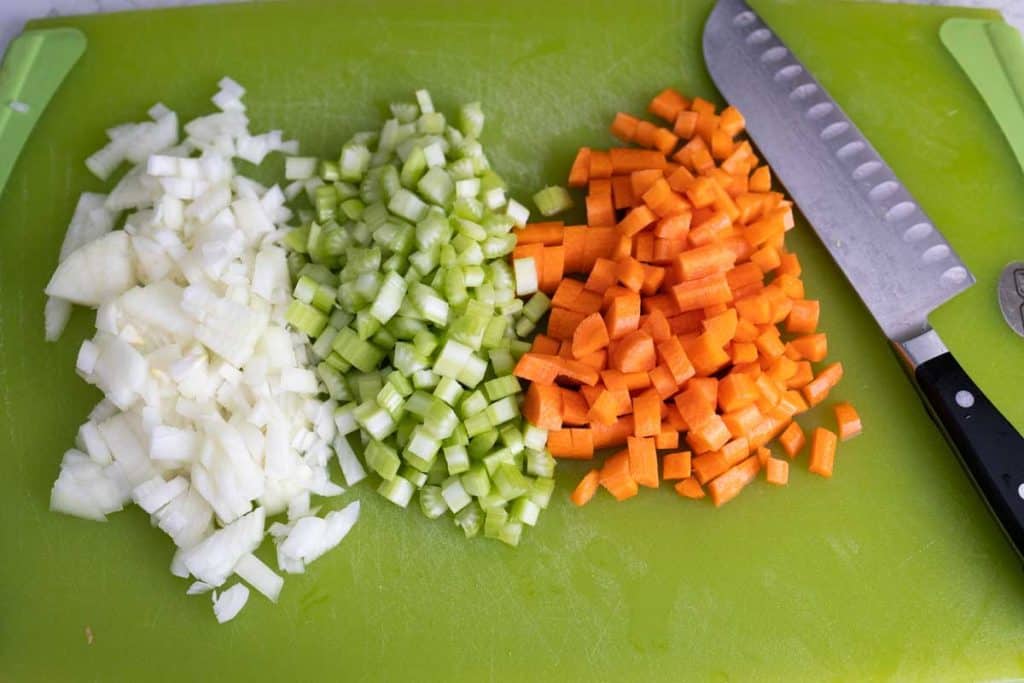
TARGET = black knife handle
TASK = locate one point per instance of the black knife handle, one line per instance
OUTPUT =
(988, 446)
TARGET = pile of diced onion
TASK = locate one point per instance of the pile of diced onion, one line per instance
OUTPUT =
(210, 420)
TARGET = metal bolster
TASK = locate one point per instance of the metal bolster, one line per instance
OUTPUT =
(921, 349)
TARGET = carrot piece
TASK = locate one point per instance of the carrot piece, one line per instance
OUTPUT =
(574, 240)
(803, 375)
(573, 296)
(658, 193)
(586, 489)
(672, 354)
(676, 465)
(685, 124)
(537, 368)
(680, 179)
(575, 372)
(763, 455)
(736, 450)
(599, 242)
(548, 234)
(668, 437)
(600, 210)
(823, 452)
(664, 140)
(790, 285)
(721, 145)
(643, 461)
(769, 343)
(710, 436)
(596, 360)
(623, 315)
(701, 292)
(701, 192)
(742, 421)
(574, 408)
(792, 439)
(624, 126)
(674, 227)
(627, 160)
(737, 161)
(603, 409)
(589, 336)
(582, 443)
(768, 390)
(721, 327)
(743, 352)
(767, 258)
(847, 421)
(792, 403)
(612, 435)
(571, 444)
(731, 121)
(736, 391)
(776, 471)
(600, 165)
(622, 192)
(689, 488)
(543, 406)
(707, 356)
(707, 124)
(675, 420)
(707, 466)
(812, 347)
(562, 323)
(544, 344)
(653, 277)
(803, 317)
(559, 442)
(552, 268)
(630, 273)
(633, 353)
(703, 261)
(647, 414)
(731, 483)
(761, 180)
(756, 308)
(641, 181)
(644, 135)
(602, 276)
(643, 248)
(667, 104)
(660, 302)
(579, 174)
(656, 325)
(615, 476)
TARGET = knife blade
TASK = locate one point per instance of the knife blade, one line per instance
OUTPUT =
(879, 235)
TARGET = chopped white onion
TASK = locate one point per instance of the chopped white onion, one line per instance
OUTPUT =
(229, 603)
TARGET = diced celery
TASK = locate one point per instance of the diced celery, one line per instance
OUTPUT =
(457, 459)
(536, 307)
(501, 361)
(502, 411)
(481, 444)
(539, 463)
(534, 437)
(382, 459)
(431, 503)
(541, 490)
(454, 494)
(525, 511)
(552, 200)
(398, 490)
(512, 438)
(413, 476)
(305, 318)
(476, 481)
(448, 390)
(509, 481)
(477, 424)
(470, 519)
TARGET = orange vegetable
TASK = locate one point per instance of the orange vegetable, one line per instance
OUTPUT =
(847, 421)
(776, 471)
(643, 461)
(633, 353)
(624, 126)
(647, 414)
(616, 478)
(689, 488)
(589, 336)
(574, 408)
(667, 104)
(623, 315)
(586, 489)
(823, 452)
(817, 389)
(728, 485)
(813, 347)
(669, 436)
(543, 406)
(549, 234)
(803, 317)
(676, 466)
(702, 292)
(708, 466)
(579, 174)
(562, 323)
(792, 439)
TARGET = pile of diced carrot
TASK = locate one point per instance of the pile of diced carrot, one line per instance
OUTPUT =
(689, 318)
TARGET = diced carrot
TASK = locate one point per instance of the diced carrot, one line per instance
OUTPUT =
(791, 285)
(701, 292)
(763, 455)
(571, 444)
(643, 461)
(600, 165)
(641, 181)
(630, 273)
(803, 317)
(761, 180)
(574, 240)
(667, 104)
(552, 268)
(742, 421)
(575, 372)
(736, 391)
(685, 124)
(586, 489)
(731, 121)
(672, 354)
(792, 403)
(707, 124)
(600, 210)
(738, 160)
(574, 408)
(622, 192)
(710, 436)
(721, 145)
(612, 435)
(776, 471)
(694, 408)
(647, 414)
(731, 483)
(644, 135)
(656, 325)
(600, 242)
(767, 258)
(817, 389)
(847, 421)
(706, 355)
(721, 327)
(537, 368)
(615, 476)
(653, 275)
(571, 295)
(769, 344)
(597, 360)
(624, 126)
(676, 466)
(544, 344)
(603, 409)
(705, 260)
(579, 174)
(701, 192)
(668, 437)
(602, 276)
(543, 406)
(562, 322)
(664, 140)
(589, 336)
(689, 488)
(803, 375)
(736, 450)
(623, 315)
(823, 452)
(674, 228)
(633, 353)
(792, 439)
(709, 465)
(627, 160)
(548, 234)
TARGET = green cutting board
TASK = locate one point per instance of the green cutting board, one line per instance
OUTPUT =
(891, 570)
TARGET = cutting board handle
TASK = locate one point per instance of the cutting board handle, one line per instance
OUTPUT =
(33, 68)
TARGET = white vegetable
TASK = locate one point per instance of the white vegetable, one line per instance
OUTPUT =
(228, 604)
(210, 419)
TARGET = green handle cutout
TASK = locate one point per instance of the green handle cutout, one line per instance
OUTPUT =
(33, 68)
(991, 53)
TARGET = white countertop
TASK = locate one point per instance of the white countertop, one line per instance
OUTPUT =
(14, 13)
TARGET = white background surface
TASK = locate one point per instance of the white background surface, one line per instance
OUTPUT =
(14, 13)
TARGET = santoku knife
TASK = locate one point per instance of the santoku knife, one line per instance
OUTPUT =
(891, 252)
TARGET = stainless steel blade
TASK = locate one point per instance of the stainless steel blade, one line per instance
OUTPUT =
(890, 251)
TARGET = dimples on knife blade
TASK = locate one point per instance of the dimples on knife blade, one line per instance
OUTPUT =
(890, 251)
